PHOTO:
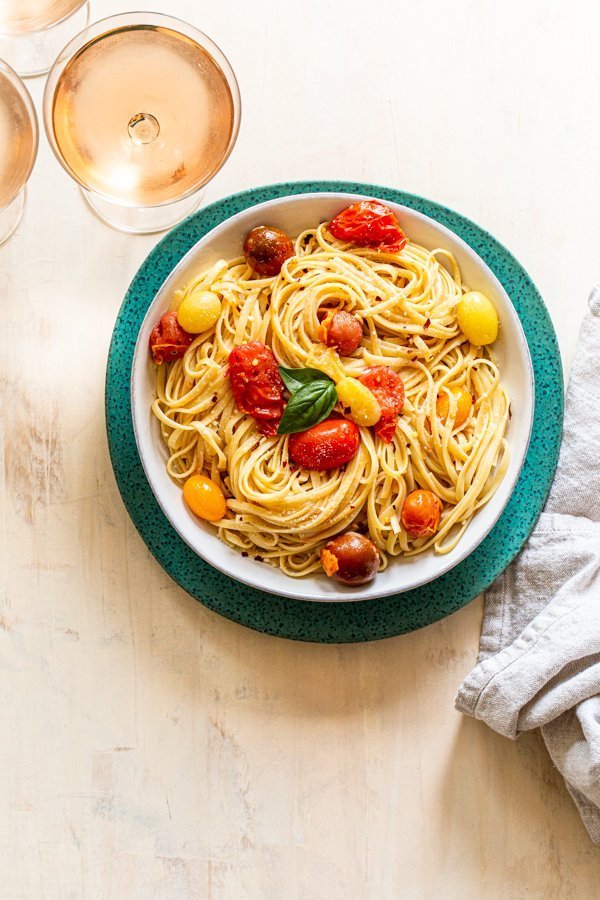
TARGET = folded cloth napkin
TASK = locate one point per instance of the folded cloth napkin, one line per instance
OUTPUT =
(539, 659)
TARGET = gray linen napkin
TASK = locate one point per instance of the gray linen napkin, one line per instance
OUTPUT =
(539, 655)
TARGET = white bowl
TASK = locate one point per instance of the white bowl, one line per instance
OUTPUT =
(294, 214)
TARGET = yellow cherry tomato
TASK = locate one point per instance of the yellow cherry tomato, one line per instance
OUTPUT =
(326, 360)
(477, 318)
(198, 311)
(364, 406)
(204, 498)
(464, 402)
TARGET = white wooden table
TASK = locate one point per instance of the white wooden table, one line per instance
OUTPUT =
(151, 749)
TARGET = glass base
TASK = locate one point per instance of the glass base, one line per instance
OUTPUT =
(34, 53)
(142, 219)
(11, 215)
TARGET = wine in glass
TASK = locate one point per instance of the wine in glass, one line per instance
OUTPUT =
(33, 31)
(142, 110)
(18, 148)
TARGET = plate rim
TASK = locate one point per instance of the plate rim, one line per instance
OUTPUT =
(333, 621)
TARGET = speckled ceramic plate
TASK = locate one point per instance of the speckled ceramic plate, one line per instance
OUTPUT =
(332, 621)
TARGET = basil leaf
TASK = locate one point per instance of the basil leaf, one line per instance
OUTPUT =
(308, 406)
(294, 379)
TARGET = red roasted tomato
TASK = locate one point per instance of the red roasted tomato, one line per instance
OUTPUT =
(325, 446)
(257, 385)
(369, 224)
(388, 388)
(341, 330)
(168, 340)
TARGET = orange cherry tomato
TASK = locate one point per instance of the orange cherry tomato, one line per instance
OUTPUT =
(464, 402)
(325, 446)
(421, 513)
(205, 498)
(342, 331)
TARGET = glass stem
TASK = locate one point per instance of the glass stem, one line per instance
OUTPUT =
(11, 215)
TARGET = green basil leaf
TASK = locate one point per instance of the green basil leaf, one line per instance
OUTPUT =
(308, 406)
(294, 379)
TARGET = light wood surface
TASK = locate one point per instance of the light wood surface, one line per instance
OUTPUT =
(151, 749)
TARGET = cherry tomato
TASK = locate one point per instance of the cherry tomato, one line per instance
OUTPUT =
(266, 249)
(362, 403)
(388, 388)
(199, 311)
(168, 340)
(369, 224)
(421, 513)
(464, 402)
(257, 385)
(325, 446)
(342, 331)
(350, 558)
(477, 318)
(205, 498)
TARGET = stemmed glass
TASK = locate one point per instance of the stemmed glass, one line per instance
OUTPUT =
(142, 110)
(18, 147)
(33, 31)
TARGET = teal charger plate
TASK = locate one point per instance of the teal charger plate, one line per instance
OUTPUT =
(334, 622)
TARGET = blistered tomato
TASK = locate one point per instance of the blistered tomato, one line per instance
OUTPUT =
(342, 331)
(421, 513)
(266, 249)
(464, 402)
(257, 385)
(369, 224)
(477, 318)
(199, 311)
(204, 498)
(325, 446)
(168, 340)
(360, 400)
(351, 558)
(388, 388)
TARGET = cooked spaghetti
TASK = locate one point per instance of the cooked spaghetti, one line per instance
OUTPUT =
(405, 301)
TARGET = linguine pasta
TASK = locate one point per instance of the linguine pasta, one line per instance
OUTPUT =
(407, 301)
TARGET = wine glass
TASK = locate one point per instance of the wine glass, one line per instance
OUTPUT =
(18, 147)
(33, 31)
(142, 110)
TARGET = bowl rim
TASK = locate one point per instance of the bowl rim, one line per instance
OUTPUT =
(342, 593)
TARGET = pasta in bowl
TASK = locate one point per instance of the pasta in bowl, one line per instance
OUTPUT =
(330, 397)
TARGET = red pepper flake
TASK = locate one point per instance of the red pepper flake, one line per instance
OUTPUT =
(509, 411)
(427, 324)
(259, 559)
(244, 553)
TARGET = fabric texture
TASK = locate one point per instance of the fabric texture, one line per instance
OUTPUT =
(539, 655)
